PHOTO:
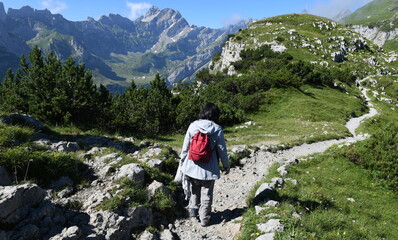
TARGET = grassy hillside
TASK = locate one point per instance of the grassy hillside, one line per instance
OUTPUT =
(315, 39)
(375, 13)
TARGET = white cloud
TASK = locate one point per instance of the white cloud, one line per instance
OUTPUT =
(54, 6)
(137, 9)
(334, 7)
(232, 20)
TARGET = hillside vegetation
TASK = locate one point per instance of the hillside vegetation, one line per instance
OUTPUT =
(377, 13)
(313, 39)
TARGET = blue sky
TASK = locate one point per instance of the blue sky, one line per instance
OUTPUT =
(208, 13)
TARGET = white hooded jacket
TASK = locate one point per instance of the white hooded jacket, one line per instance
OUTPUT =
(210, 170)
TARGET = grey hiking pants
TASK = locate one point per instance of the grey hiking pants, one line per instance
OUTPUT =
(201, 197)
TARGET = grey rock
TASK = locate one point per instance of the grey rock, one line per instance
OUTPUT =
(267, 236)
(5, 179)
(155, 163)
(277, 182)
(132, 171)
(264, 193)
(16, 201)
(272, 225)
(272, 204)
(108, 158)
(156, 186)
(146, 235)
(166, 235)
(282, 171)
(23, 120)
(140, 216)
(111, 225)
(259, 209)
(95, 150)
(71, 233)
(66, 192)
(64, 146)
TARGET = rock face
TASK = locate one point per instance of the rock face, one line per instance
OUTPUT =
(17, 201)
(375, 34)
(115, 38)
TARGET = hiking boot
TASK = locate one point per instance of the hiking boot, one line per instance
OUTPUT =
(193, 213)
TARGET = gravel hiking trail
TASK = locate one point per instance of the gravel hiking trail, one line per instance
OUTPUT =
(231, 191)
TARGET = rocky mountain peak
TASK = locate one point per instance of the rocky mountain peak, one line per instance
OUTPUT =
(28, 11)
(153, 11)
(3, 14)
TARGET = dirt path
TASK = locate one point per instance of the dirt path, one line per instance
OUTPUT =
(231, 190)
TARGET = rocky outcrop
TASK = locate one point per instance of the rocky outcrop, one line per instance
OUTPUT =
(23, 120)
(17, 202)
(375, 34)
(65, 210)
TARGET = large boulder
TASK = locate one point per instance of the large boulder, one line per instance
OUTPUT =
(265, 193)
(132, 171)
(111, 225)
(23, 120)
(16, 202)
(155, 187)
(140, 216)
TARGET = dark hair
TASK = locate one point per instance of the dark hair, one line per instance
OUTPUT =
(210, 112)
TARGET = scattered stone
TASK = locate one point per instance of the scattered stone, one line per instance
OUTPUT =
(112, 157)
(267, 236)
(259, 209)
(64, 146)
(156, 186)
(166, 235)
(272, 225)
(155, 163)
(66, 192)
(282, 171)
(132, 171)
(272, 204)
(277, 182)
(351, 200)
(140, 216)
(146, 235)
(71, 233)
(264, 193)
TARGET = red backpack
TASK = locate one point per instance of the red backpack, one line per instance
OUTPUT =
(200, 148)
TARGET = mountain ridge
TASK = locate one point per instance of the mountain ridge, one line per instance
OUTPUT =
(114, 47)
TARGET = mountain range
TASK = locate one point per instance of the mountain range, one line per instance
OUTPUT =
(116, 49)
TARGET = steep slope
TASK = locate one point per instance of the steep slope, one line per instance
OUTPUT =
(377, 21)
(309, 38)
(115, 48)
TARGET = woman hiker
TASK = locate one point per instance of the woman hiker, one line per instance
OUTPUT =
(203, 137)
